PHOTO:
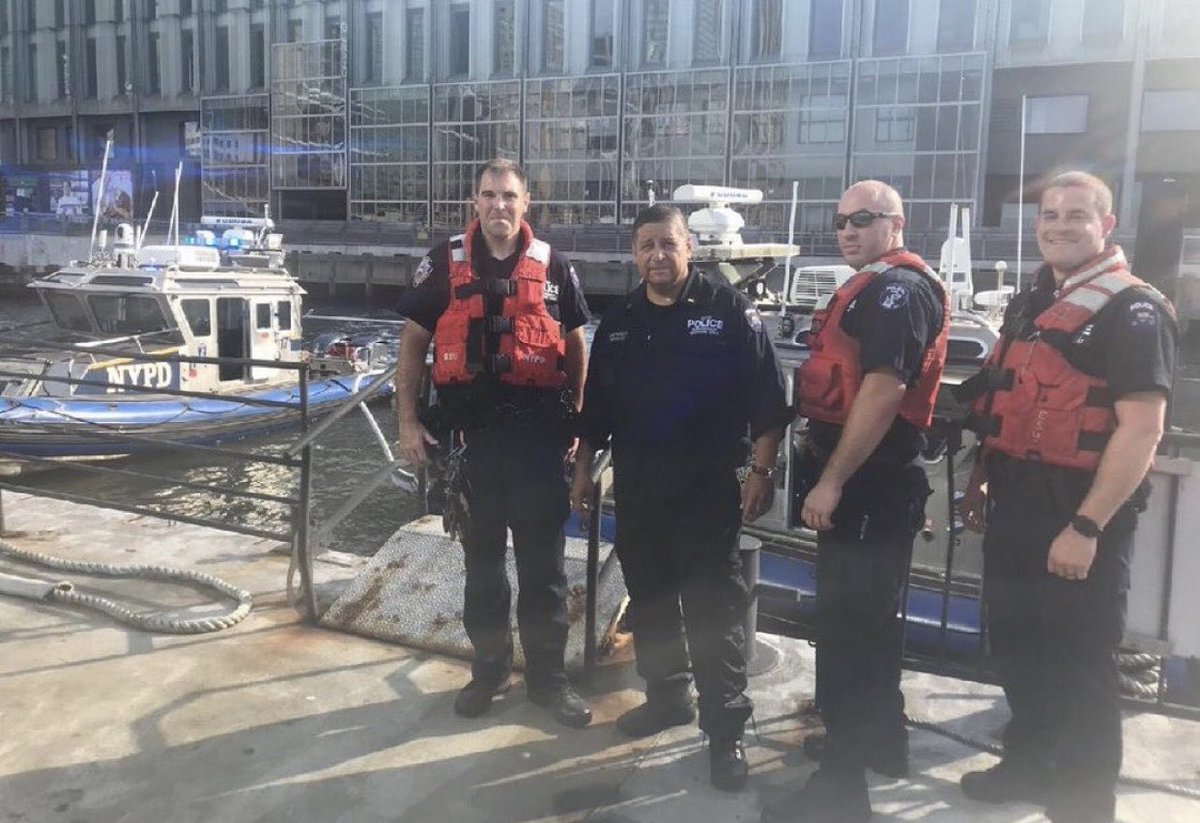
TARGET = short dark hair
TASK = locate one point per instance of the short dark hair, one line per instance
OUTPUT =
(501, 165)
(658, 213)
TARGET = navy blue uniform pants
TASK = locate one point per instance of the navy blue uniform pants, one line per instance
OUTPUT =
(687, 598)
(862, 564)
(517, 482)
(1055, 643)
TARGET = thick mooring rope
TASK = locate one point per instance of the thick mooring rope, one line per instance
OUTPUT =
(64, 592)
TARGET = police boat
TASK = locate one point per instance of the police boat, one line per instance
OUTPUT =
(196, 341)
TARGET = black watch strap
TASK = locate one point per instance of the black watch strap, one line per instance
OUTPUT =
(1086, 526)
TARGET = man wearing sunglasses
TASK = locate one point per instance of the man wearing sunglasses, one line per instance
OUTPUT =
(867, 390)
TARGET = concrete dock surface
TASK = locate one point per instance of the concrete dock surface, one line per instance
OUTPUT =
(279, 720)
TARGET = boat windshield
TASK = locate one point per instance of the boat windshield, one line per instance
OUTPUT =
(127, 313)
(68, 311)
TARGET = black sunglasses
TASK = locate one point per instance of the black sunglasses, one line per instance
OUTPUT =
(859, 219)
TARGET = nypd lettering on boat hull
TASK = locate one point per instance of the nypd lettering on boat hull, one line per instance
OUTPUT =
(705, 325)
(114, 379)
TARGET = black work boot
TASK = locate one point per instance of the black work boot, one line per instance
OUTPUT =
(889, 758)
(656, 715)
(829, 796)
(475, 698)
(1010, 779)
(727, 767)
(563, 702)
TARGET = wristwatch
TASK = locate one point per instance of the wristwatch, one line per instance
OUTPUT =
(1086, 526)
(763, 471)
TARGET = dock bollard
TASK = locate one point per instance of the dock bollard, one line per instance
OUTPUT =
(760, 658)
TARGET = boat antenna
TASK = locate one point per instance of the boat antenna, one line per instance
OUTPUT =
(146, 226)
(1021, 194)
(787, 264)
(108, 141)
(173, 223)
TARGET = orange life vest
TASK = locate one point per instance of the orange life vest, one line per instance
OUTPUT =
(831, 378)
(1037, 405)
(531, 350)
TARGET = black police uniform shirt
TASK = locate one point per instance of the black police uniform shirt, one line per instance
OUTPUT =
(1131, 343)
(895, 318)
(427, 298)
(677, 387)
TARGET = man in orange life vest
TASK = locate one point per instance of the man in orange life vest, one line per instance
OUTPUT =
(1069, 410)
(505, 314)
(868, 389)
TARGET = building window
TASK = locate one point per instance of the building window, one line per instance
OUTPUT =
(374, 67)
(5, 75)
(414, 44)
(152, 9)
(89, 68)
(504, 61)
(220, 6)
(603, 34)
(825, 122)
(1103, 20)
(460, 39)
(258, 55)
(1175, 110)
(766, 30)
(956, 25)
(895, 125)
(122, 76)
(3, 18)
(61, 65)
(60, 13)
(333, 27)
(825, 30)
(118, 10)
(89, 11)
(153, 74)
(47, 143)
(187, 61)
(553, 36)
(891, 27)
(1060, 114)
(1029, 21)
(655, 27)
(708, 44)
(295, 31)
(31, 71)
(221, 58)
(185, 8)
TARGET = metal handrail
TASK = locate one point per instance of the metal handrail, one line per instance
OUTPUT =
(341, 411)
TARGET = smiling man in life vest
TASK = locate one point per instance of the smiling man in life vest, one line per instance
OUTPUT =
(878, 349)
(1070, 409)
(505, 314)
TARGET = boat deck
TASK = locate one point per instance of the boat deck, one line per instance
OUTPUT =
(278, 720)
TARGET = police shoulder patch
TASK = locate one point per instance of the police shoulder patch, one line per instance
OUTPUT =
(423, 270)
(1143, 314)
(894, 296)
(754, 319)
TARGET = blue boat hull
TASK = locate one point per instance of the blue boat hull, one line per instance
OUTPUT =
(49, 427)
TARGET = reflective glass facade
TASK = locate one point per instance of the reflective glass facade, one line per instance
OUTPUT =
(308, 115)
(917, 125)
(676, 131)
(472, 123)
(389, 154)
(572, 133)
(791, 123)
(234, 154)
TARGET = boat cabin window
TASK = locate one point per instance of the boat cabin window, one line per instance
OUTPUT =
(198, 314)
(68, 311)
(262, 316)
(283, 313)
(127, 313)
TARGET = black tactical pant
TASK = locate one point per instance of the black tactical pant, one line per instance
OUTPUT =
(1055, 642)
(679, 556)
(862, 564)
(517, 482)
